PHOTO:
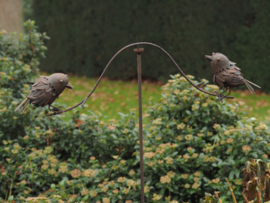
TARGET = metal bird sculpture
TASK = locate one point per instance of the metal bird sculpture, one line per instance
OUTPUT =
(45, 90)
(226, 74)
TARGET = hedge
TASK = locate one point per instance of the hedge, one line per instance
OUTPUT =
(86, 34)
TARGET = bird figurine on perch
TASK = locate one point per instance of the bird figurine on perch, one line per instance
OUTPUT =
(45, 90)
(226, 74)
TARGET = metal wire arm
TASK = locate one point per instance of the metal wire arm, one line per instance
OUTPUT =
(219, 96)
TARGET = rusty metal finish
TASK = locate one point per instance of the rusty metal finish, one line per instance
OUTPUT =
(45, 90)
(226, 74)
(219, 96)
(139, 51)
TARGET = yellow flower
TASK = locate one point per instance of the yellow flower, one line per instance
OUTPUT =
(181, 126)
(93, 193)
(23, 182)
(169, 160)
(195, 155)
(63, 169)
(229, 140)
(48, 150)
(52, 171)
(75, 173)
(84, 192)
(146, 189)
(196, 179)
(165, 179)
(14, 151)
(216, 180)
(160, 161)
(156, 197)
(174, 201)
(149, 155)
(184, 176)
(195, 185)
(121, 179)
(197, 173)
(104, 189)
(187, 186)
(44, 166)
(199, 134)
(186, 156)
(151, 164)
(116, 191)
(128, 201)
(89, 173)
(211, 159)
(130, 182)
(171, 174)
(106, 200)
(131, 172)
(125, 190)
(246, 148)
(111, 183)
(158, 121)
(188, 137)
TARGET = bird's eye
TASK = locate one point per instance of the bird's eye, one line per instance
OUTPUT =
(61, 80)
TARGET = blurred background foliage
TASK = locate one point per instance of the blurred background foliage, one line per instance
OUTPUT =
(86, 34)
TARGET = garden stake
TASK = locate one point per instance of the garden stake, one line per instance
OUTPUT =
(139, 51)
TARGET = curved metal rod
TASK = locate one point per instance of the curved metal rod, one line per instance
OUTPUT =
(117, 53)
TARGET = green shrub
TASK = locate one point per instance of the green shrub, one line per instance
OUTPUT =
(202, 141)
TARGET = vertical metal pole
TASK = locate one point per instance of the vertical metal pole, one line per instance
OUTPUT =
(139, 51)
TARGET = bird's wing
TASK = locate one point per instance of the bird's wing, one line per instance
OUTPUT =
(237, 80)
(225, 73)
(219, 80)
(233, 65)
(44, 99)
(39, 88)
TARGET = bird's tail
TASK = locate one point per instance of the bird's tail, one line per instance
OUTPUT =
(253, 83)
(249, 86)
(24, 104)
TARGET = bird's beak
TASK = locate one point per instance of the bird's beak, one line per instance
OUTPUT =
(69, 86)
(208, 57)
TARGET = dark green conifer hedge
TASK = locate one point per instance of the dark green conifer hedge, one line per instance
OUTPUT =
(86, 34)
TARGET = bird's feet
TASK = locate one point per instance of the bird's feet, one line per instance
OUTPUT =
(220, 96)
(56, 110)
